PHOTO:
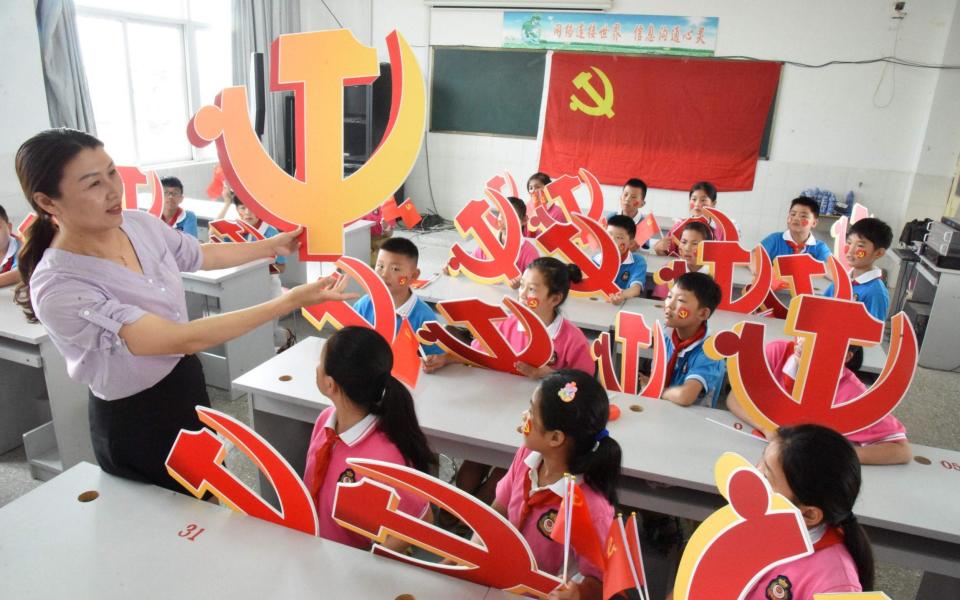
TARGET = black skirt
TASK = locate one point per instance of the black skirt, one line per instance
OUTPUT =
(132, 436)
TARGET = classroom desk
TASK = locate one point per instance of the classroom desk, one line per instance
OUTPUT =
(909, 509)
(40, 406)
(132, 542)
(235, 288)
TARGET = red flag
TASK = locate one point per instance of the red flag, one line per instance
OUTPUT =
(633, 543)
(406, 355)
(583, 536)
(673, 121)
(215, 188)
(406, 212)
(646, 229)
(618, 573)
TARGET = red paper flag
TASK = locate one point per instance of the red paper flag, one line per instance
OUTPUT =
(406, 212)
(215, 188)
(583, 537)
(633, 544)
(618, 116)
(618, 572)
(646, 229)
(406, 355)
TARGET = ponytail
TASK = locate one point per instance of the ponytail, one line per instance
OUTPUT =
(40, 162)
(822, 469)
(575, 403)
(360, 361)
(36, 240)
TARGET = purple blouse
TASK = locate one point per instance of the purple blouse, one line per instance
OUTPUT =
(83, 301)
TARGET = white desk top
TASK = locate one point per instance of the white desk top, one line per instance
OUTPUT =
(664, 443)
(126, 544)
(221, 275)
(14, 325)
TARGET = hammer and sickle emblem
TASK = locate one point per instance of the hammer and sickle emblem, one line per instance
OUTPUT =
(602, 105)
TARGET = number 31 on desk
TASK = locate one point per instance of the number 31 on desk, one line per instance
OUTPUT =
(191, 532)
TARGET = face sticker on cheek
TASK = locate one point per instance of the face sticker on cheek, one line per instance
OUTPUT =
(525, 425)
(403, 281)
(683, 313)
(804, 222)
(860, 253)
(622, 247)
(533, 301)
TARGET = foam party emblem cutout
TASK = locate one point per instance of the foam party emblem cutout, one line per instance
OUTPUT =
(798, 271)
(237, 231)
(318, 196)
(559, 238)
(721, 259)
(196, 462)
(480, 318)
(633, 334)
(839, 232)
(133, 177)
(560, 192)
(828, 326)
(339, 314)
(476, 219)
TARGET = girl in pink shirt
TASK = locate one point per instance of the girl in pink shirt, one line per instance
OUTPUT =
(817, 470)
(372, 417)
(564, 432)
(535, 187)
(544, 287)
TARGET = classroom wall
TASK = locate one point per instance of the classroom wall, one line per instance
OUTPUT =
(22, 97)
(891, 137)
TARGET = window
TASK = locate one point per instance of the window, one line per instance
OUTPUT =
(150, 66)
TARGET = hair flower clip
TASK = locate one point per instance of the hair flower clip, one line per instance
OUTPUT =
(568, 392)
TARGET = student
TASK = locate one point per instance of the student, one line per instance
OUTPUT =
(692, 376)
(693, 234)
(633, 268)
(817, 470)
(883, 443)
(528, 252)
(798, 238)
(867, 241)
(535, 187)
(9, 248)
(564, 432)
(702, 193)
(544, 287)
(632, 199)
(173, 215)
(397, 267)
(372, 417)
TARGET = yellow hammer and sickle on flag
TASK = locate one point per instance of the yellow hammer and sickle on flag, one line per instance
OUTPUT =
(602, 105)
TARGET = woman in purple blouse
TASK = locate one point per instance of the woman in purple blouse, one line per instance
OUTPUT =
(106, 284)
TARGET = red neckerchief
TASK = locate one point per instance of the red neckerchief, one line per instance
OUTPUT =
(322, 460)
(785, 379)
(541, 497)
(173, 220)
(680, 345)
(797, 248)
(832, 537)
(8, 265)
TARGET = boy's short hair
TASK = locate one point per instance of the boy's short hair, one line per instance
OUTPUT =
(235, 199)
(172, 182)
(810, 203)
(701, 228)
(708, 188)
(856, 360)
(3, 215)
(623, 222)
(518, 206)
(401, 246)
(706, 290)
(874, 231)
(637, 183)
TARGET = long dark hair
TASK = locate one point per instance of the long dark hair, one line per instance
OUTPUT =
(822, 469)
(360, 361)
(708, 188)
(583, 419)
(40, 163)
(557, 274)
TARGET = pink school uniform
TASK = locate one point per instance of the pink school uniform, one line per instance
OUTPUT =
(570, 347)
(528, 254)
(888, 429)
(363, 440)
(829, 569)
(541, 516)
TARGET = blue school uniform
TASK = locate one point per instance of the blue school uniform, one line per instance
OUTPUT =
(869, 289)
(776, 245)
(9, 261)
(633, 270)
(415, 310)
(187, 223)
(693, 363)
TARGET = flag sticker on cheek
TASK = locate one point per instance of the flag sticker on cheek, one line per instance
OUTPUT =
(804, 222)
(683, 313)
(525, 428)
(532, 301)
(860, 253)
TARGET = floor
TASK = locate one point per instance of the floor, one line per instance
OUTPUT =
(929, 413)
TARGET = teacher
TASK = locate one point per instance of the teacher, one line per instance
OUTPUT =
(106, 284)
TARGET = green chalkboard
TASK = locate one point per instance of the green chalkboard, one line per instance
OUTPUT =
(489, 91)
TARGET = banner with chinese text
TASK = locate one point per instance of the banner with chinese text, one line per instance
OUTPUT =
(604, 32)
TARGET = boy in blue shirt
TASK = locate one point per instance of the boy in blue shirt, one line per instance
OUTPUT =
(173, 215)
(397, 266)
(632, 200)
(9, 248)
(633, 268)
(867, 241)
(798, 238)
(692, 376)
(266, 230)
